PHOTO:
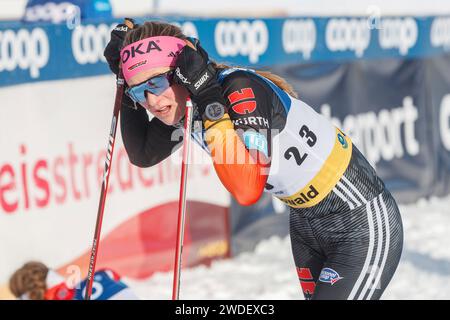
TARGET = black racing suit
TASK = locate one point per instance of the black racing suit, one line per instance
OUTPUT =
(348, 246)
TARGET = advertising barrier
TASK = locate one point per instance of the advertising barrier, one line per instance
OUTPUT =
(36, 52)
(53, 138)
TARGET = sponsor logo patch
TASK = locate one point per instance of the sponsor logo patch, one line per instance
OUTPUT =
(342, 141)
(239, 105)
(330, 276)
(307, 282)
(255, 140)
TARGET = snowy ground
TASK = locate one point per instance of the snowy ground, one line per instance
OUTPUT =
(269, 273)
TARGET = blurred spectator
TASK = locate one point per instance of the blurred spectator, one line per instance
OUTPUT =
(35, 281)
(58, 11)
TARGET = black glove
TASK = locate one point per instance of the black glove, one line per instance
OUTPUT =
(198, 76)
(112, 50)
(112, 54)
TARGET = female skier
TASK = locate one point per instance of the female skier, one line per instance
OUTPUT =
(345, 227)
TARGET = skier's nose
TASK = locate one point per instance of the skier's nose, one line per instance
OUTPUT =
(152, 99)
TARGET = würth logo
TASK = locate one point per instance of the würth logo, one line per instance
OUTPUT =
(242, 101)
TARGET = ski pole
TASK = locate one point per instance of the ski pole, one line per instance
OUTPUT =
(104, 188)
(182, 200)
(105, 182)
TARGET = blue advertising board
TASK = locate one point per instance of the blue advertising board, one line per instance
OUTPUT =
(35, 52)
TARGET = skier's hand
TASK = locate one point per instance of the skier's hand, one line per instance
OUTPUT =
(195, 72)
(112, 53)
(112, 50)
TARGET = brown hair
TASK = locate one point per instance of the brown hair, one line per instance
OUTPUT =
(29, 279)
(156, 28)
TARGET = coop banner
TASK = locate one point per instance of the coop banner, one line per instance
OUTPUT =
(42, 51)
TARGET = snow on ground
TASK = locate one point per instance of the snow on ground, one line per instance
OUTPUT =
(269, 272)
(424, 271)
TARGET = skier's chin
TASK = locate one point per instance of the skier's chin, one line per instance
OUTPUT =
(173, 117)
(169, 119)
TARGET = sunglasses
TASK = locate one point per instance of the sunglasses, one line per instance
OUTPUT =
(155, 85)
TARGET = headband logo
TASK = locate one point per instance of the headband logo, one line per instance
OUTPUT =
(137, 50)
(137, 65)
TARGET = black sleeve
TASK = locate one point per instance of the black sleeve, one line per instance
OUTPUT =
(250, 104)
(146, 142)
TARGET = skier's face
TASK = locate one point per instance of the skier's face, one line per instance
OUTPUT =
(169, 105)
